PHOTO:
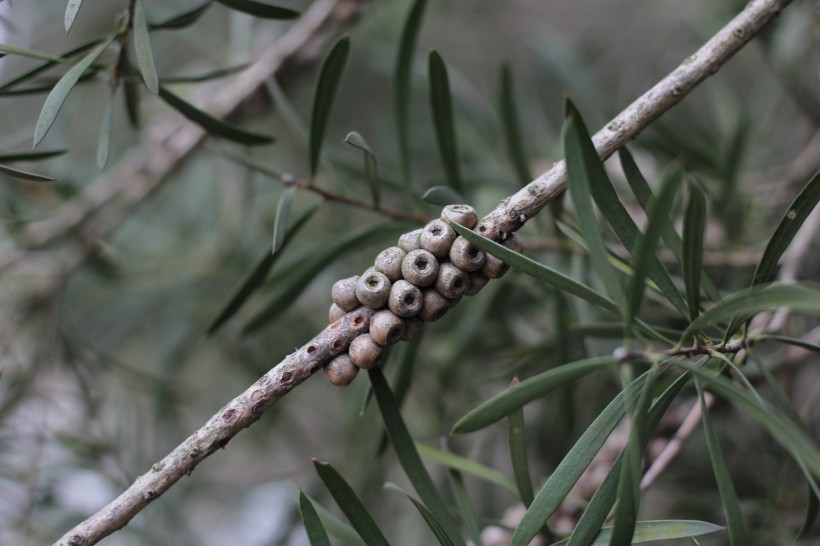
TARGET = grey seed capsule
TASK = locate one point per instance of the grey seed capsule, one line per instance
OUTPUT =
(413, 327)
(420, 268)
(477, 281)
(335, 312)
(341, 371)
(435, 305)
(451, 281)
(494, 268)
(466, 256)
(364, 352)
(386, 328)
(410, 241)
(437, 237)
(373, 289)
(389, 262)
(344, 294)
(405, 299)
(463, 215)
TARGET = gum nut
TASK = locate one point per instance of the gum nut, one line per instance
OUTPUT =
(405, 299)
(435, 305)
(410, 241)
(344, 294)
(389, 262)
(335, 313)
(373, 289)
(364, 352)
(437, 237)
(466, 256)
(514, 243)
(419, 268)
(463, 215)
(451, 281)
(341, 371)
(413, 327)
(477, 281)
(386, 328)
(494, 268)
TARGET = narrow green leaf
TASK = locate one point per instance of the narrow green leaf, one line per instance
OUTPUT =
(465, 506)
(288, 111)
(131, 96)
(207, 76)
(408, 456)
(463, 464)
(407, 353)
(30, 156)
(357, 141)
(512, 130)
(441, 104)
(142, 49)
(211, 124)
(50, 61)
(259, 9)
(24, 175)
(694, 225)
(329, 77)
(584, 166)
(334, 525)
(71, 11)
(648, 531)
(428, 516)
(280, 225)
(107, 126)
(313, 525)
(401, 89)
(58, 95)
(181, 20)
(790, 341)
(443, 195)
(350, 504)
(518, 452)
(32, 54)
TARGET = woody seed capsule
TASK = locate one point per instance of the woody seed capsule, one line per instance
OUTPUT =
(413, 327)
(389, 262)
(405, 299)
(494, 268)
(451, 281)
(373, 289)
(435, 305)
(477, 281)
(386, 328)
(410, 241)
(335, 312)
(341, 371)
(420, 268)
(344, 294)
(463, 215)
(437, 237)
(466, 256)
(364, 352)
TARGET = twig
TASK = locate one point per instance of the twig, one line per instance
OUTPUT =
(510, 215)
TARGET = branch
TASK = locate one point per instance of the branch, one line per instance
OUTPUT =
(510, 215)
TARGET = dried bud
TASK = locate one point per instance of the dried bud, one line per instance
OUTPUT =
(466, 256)
(413, 327)
(364, 352)
(410, 241)
(405, 299)
(437, 237)
(477, 281)
(494, 268)
(435, 305)
(341, 371)
(420, 268)
(335, 312)
(451, 281)
(463, 215)
(344, 294)
(373, 289)
(389, 262)
(386, 328)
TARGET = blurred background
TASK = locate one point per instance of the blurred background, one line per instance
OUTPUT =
(105, 363)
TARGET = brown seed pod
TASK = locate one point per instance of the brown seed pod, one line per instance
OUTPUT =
(386, 328)
(335, 312)
(405, 299)
(451, 281)
(435, 305)
(466, 256)
(437, 237)
(463, 215)
(413, 327)
(420, 268)
(344, 294)
(389, 262)
(477, 281)
(341, 371)
(494, 268)
(373, 289)
(364, 352)
(410, 241)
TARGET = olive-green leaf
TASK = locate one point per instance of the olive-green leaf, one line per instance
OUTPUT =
(357, 141)
(441, 104)
(463, 464)
(30, 156)
(442, 195)
(131, 96)
(50, 60)
(142, 49)
(426, 514)
(211, 124)
(181, 20)
(280, 225)
(71, 11)
(329, 77)
(59, 93)
(313, 525)
(259, 9)
(790, 341)
(401, 83)
(106, 127)
(24, 175)
(648, 531)
(694, 225)
(518, 452)
(334, 525)
(32, 54)
(465, 507)
(207, 76)
(512, 129)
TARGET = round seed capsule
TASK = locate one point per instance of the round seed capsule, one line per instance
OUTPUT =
(413, 327)
(364, 352)
(344, 294)
(410, 241)
(420, 268)
(435, 305)
(389, 262)
(373, 289)
(386, 328)
(494, 268)
(477, 281)
(466, 256)
(335, 312)
(514, 243)
(341, 371)
(437, 237)
(405, 299)
(451, 281)
(463, 215)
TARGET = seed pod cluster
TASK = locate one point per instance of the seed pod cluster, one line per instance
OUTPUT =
(416, 281)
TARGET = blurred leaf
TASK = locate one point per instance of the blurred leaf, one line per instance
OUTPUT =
(181, 20)
(428, 516)
(30, 156)
(58, 95)
(211, 124)
(406, 356)
(252, 164)
(207, 76)
(259, 9)
(281, 223)
(694, 225)
(313, 525)
(512, 130)
(409, 458)
(32, 54)
(107, 126)
(357, 141)
(585, 171)
(351, 506)
(401, 90)
(64, 58)
(441, 104)
(465, 507)
(142, 49)
(443, 195)
(463, 464)
(71, 11)
(131, 95)
(334, 525)
(24, 175)
(789, 340)
(288, 111)
(648, 531)
(329, 77)
(518, 452)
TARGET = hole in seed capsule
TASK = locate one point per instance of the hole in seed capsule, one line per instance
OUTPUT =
(409, 299)
(472, 252)
(421, 264)
(394, 334)
(458, 284)
(358, 321)
(436, 231)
